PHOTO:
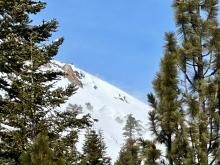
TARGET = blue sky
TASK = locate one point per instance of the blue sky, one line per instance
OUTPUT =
(120, 41)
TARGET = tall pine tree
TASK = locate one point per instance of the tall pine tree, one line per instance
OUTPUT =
(187, 112)
(129, 154)
(40, 153)
(28, 100)
(94, 150)
(132, 127)
(166, 118)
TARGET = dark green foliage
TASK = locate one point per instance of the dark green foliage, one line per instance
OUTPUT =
(28, 106)
(186, 111)
(199, 61)
(166, 118)
(94, 150)
(67, 123)
(40, 153)
(129, 154)
(149, 153)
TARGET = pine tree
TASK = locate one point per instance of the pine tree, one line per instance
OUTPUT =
(29, 99)
(150, 155)
(129, 154)
(40, 153)
(186, 104)
(94, 150)
(166, 118)
(65, 127)
(199, 62)
(132, 127)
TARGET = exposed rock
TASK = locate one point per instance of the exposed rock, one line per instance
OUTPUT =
(73, 76)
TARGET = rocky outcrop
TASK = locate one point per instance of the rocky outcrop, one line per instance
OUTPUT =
(72, 76)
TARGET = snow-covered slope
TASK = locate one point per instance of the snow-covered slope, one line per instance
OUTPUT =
(109, 105)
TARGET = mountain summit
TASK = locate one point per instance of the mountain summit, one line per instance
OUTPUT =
(106, 103)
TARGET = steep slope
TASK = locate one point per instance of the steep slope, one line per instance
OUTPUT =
(106, 103)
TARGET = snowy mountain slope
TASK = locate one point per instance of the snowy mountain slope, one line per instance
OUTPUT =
(109, 105)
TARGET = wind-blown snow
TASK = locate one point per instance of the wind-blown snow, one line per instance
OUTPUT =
(110, 106)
